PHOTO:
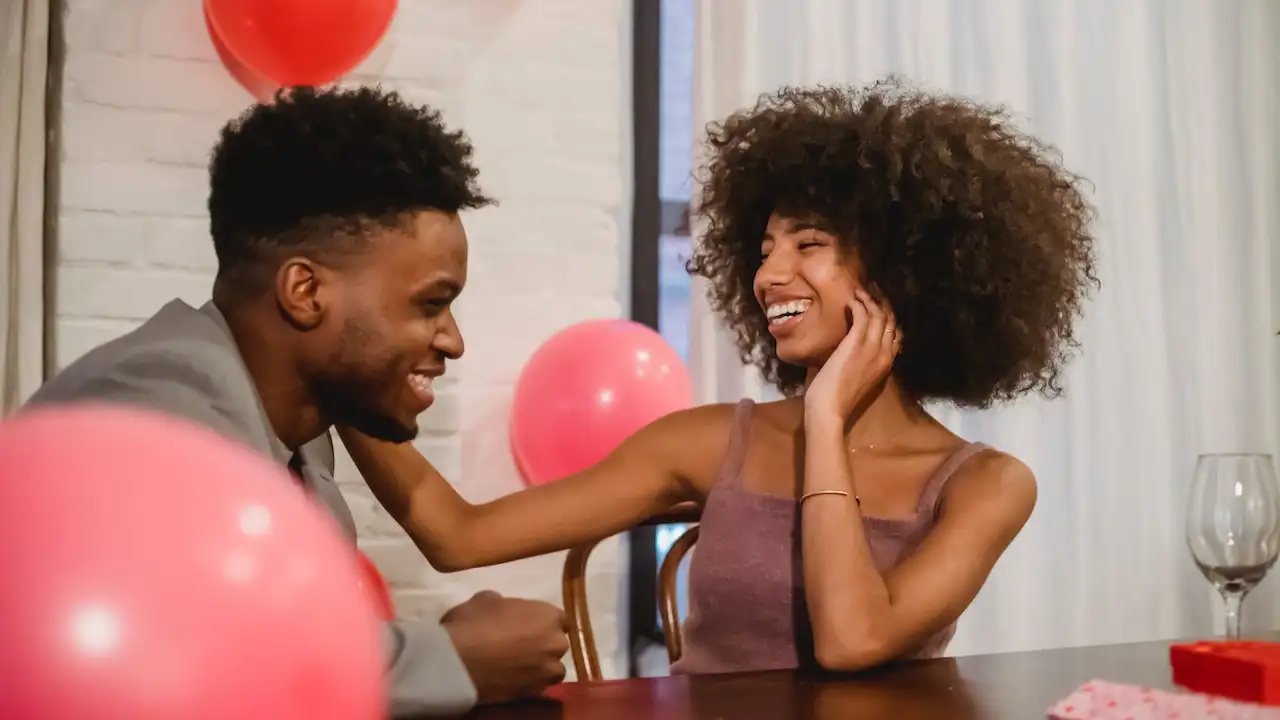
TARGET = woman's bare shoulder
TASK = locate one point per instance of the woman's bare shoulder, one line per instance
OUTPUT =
(711, 417)
(716, 422)
(997, 466)
(992, 476)
(695, 441)
(786, 415)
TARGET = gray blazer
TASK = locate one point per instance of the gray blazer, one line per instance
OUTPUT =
(184, 362)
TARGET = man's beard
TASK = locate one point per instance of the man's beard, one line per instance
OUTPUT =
(344, 403)
(347, 393)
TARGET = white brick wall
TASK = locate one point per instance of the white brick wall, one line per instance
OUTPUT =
(541, 87)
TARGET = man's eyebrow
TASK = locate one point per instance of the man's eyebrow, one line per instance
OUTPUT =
(436, 286)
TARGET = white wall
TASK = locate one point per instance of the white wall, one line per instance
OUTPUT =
(541, 86)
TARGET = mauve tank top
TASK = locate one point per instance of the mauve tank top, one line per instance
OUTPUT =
(746, 587)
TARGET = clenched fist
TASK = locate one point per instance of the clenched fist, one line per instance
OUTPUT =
(512, 648)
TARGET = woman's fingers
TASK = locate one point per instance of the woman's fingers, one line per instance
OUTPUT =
(873, 336)
(889, 338)
(859, 321)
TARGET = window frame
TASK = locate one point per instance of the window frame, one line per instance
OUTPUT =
(652, 218)
(646, 229)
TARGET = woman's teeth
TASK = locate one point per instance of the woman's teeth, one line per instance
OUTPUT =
(783, 311)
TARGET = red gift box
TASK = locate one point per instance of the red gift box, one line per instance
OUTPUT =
(1248, 671)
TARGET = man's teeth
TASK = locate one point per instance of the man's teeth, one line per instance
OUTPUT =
(779, 312)
(420, 381)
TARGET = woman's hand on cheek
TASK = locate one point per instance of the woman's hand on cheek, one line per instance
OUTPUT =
(862, 359)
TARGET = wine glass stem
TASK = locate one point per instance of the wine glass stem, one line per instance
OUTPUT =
(1233, 601)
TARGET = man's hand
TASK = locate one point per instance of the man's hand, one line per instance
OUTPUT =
(512, 648)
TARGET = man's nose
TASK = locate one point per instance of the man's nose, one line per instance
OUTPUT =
(448, 340)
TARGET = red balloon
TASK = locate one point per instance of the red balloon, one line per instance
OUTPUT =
(375, 588)
(300, 42)
(259, 87)
(154, 571)
(586, 390)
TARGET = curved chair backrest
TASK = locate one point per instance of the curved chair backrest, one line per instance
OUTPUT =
(668, 573)
(582, 642)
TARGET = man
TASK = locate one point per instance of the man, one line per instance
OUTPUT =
(334, 217)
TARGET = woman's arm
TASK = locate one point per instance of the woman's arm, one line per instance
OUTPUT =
(862, 618)
(671, 460)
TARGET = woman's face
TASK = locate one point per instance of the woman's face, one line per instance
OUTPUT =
(805, 286)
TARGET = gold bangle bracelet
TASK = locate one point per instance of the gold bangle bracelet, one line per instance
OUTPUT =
(806, 496)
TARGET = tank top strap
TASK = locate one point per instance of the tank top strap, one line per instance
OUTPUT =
(938, 481)
(736, 452)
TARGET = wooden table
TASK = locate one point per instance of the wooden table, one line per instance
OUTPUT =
(1016, 686)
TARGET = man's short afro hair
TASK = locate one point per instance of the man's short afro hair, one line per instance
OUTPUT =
(319, 166)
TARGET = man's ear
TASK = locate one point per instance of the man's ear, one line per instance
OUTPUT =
(302, 289)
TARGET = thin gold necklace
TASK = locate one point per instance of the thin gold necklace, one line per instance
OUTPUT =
(872, 446)
(891, 438)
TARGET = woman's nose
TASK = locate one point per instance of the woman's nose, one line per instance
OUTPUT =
(778, 268)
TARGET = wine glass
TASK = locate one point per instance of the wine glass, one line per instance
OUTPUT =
(1233, 525)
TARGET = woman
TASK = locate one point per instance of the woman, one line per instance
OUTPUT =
(872, 250)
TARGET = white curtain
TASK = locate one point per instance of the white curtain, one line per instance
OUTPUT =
(1169, 108)
(24, 43)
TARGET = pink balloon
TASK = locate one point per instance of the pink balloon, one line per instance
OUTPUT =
(586, 390)
(155, 571)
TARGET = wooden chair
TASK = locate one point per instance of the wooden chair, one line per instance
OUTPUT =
(668, 572)
(582, 643)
